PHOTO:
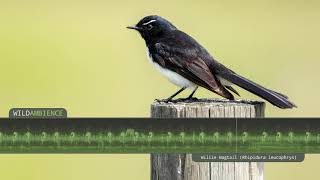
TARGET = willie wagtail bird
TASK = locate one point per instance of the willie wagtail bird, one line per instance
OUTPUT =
(182, 60)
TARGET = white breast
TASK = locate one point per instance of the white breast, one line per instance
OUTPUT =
(173, 77)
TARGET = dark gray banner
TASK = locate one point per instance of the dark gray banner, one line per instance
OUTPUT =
(36, 113)
(248, 157)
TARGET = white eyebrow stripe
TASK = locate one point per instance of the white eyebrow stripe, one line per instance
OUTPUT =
(151, 21)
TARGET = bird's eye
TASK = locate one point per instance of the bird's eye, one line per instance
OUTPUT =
(149, 26)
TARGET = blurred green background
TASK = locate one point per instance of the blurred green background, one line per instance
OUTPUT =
(79, 55)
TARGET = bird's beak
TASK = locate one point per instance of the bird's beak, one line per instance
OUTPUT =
(134, 27)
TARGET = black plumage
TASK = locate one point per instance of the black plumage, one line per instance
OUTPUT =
(176, 51)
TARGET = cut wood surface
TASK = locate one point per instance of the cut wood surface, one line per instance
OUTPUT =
(181, 166)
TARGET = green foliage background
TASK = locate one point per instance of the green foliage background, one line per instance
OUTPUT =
(79, 55)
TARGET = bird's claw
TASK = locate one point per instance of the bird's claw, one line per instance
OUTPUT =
(192, 99)
(163, 100)
(188, 99)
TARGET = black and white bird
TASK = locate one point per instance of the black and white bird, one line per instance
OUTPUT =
(183, 61)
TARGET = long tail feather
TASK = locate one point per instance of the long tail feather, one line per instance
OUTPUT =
(275, 98)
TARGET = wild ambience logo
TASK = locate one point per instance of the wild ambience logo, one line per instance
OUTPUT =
(38, 113)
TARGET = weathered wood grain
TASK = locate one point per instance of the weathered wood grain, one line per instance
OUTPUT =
(181, 166)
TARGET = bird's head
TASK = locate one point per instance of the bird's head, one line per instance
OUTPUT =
(153, 27)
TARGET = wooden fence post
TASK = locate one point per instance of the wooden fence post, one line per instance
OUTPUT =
(181, 166)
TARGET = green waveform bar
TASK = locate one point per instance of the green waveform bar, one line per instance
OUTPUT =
(165, 135)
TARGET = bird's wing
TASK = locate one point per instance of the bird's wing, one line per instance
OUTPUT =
(185, 61)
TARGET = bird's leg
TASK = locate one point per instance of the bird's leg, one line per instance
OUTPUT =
(190, 96)
(172, 96)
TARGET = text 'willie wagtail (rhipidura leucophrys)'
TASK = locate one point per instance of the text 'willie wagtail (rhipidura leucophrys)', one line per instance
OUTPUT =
(182, 60)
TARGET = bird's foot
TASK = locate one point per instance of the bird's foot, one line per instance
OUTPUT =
(188, 99)
(193, 99)
(163, 100)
